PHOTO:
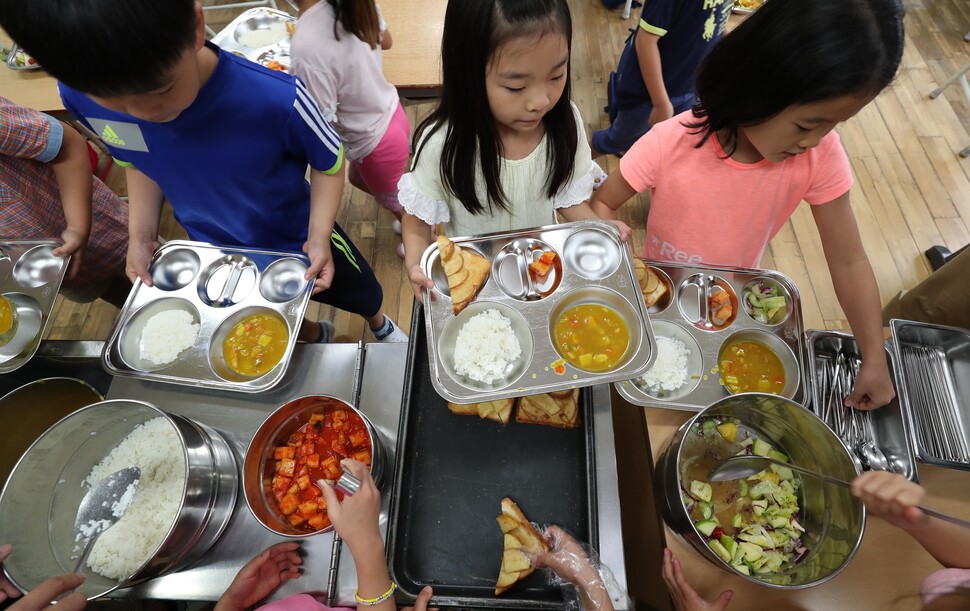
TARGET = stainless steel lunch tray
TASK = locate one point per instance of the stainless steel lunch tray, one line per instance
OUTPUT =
(682, 313)
(256, 19)
(592, 266)
(12, 59)
(891, 424)
(934, 372)
(219, 286)
(30, 276)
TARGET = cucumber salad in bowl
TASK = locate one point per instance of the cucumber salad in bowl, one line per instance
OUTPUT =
(752, 524)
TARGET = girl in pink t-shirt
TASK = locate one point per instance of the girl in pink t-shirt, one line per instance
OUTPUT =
(726, 176)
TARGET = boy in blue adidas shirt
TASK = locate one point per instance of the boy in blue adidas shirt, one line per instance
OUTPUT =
(225, 140)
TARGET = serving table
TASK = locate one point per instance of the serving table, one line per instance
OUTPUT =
(370, 377)
(885, 573)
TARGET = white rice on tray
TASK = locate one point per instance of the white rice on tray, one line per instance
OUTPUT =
(669, 370)
(154, 448)
(486, 345)
(166, 335)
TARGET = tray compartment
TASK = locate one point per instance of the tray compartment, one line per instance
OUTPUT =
(934, 369)
(30, 277)
(451, 476)
(273, 25)
(220, 286)
(692, 287)
(587, 249)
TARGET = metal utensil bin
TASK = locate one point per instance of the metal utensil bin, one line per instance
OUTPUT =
(592, 266)
(888, 427)
(682, 313)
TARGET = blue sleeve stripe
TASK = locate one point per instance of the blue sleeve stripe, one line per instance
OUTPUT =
(310, 112)
(55, 137)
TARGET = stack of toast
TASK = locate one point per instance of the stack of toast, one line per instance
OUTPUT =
(467, 272)
(652, 287)
(521, 538)
(559, 409)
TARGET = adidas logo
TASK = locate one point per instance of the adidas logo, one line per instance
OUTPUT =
(110, 137)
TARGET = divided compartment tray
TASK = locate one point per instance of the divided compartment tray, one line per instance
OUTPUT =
(891, 423)
(450, 477)
(218, 286)
(30, 277)
(933, 366)
(592, 266)
(258, 20)
(682, 313)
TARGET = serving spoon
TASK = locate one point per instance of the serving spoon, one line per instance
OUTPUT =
(103, 506)
(740, 467)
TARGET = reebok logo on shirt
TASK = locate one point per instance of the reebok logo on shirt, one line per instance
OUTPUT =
(120, 135)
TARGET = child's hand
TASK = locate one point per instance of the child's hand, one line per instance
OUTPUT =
(73, 246)
(419, 282)
(139, 258)
(321, 268)
(661, 112)
(41, 597)
(421, 603)
(685, 598)
(7, 589)
(261, 576)
(625, 232)
(873, 387)
(891, 497)
(356, 518)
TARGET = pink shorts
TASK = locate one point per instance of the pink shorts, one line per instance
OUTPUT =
(383, 167)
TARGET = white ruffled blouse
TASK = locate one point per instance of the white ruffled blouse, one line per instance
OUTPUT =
(423, 194)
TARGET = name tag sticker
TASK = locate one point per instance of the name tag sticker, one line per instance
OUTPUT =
(121, 135)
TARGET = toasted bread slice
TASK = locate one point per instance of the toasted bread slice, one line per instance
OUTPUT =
(560, 409)
(467, 272)
(500, 410)
(653, 297)
(520, 538)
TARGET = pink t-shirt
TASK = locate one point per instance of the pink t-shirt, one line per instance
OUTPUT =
(300, 602)
(709, 209)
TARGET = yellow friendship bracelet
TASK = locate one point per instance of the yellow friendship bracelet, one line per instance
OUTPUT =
(370, 602)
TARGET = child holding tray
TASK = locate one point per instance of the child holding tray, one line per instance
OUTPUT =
(225, 140)
(726, 176)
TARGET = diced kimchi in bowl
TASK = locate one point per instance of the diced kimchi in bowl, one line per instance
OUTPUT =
(299, 444)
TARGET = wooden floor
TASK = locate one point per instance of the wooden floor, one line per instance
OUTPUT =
(912, 190)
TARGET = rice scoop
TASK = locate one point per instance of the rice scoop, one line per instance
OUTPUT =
(485, 346)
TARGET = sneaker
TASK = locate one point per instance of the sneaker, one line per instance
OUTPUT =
(397, 227)
(937, 256)
(400, 250)
(326, 332)
(390, 333)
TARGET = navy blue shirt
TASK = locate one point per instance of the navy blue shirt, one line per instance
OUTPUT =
(688, 29)
(233, 163)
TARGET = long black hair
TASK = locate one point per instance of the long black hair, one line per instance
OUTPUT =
(797, 52)
(359, 17)
(473, 31)
(103, 47)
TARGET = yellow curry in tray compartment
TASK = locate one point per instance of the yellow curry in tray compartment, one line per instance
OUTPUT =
(255, 345)
(8, 320)
(750, 366)
(592, 337)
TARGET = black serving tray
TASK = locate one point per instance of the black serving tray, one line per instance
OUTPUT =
(451, 474)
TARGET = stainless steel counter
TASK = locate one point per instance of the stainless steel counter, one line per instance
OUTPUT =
(372, 378)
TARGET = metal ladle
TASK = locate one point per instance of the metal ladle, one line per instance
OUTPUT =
(103, 506)
(874, 457)
(740, 467)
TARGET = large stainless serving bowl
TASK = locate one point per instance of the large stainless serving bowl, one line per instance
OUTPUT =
(259, 467)
(833, 519)
(40, 499)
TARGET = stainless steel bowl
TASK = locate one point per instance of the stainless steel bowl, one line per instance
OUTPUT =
(40, 499)
(259, 467)
(834, 520)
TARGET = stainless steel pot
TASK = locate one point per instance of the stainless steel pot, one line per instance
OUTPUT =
(834, 519)
(259, 467)
(40, 499)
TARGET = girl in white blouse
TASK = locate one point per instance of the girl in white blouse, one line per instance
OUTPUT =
(505, 148)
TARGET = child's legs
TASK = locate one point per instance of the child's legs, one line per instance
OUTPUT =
(382, 168)
(631, 124)
(939, 299)
(355, 287)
